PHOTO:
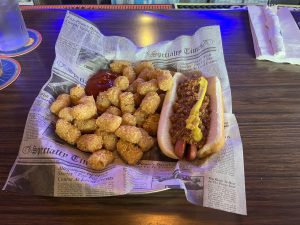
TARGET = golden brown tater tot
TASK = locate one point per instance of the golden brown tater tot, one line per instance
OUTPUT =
(151, 124)
(114, 110)
(146, 142)
(140, 117)
(131, 134)
(117, 66)
(89, 143)
(86, 110)
(76, 93)
(150, 103)
(130, 153)
(66, 114)
(121, 82)
(127, 102)
(128, 119)
(142, 65)
(62, 101)
(129, 73)
(67, 131)
(87, 100)
(144, 74)
(137, 99)
(102, 102)
(113, 95)
(162, 98)
(100, 159)
(86, 126)
(165, 80)
(108, 122)
(133, 87)
(145, 87)
(110, 141)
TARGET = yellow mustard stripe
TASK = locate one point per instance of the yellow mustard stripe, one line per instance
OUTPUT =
(193, 121)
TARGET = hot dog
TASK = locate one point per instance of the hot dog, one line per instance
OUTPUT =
(192, 118)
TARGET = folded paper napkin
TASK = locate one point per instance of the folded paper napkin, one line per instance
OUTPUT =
(276, 36)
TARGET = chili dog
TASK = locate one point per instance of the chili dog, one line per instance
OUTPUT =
(192, 118)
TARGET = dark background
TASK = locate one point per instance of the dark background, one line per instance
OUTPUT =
(54, 2)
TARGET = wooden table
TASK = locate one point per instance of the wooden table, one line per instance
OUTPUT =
(266, 101)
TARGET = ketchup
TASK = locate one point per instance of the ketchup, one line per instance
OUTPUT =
(99, 82)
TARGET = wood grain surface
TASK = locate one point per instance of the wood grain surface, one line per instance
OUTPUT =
(266, 102)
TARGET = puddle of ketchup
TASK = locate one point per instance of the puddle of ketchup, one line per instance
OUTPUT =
(99, 82)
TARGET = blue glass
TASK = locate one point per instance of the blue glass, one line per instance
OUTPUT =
(13, 32)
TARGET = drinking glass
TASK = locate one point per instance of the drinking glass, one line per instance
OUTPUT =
(13, 32)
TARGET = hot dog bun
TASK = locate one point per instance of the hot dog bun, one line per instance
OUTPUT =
(163, 135)
(215, 140)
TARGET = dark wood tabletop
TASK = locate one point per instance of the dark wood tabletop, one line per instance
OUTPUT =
(266, 102)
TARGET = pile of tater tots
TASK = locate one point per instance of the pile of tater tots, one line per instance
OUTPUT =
(123, 118)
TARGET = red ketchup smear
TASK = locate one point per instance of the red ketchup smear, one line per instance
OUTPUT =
(99, 82)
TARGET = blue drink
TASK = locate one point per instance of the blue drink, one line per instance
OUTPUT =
(13, 32)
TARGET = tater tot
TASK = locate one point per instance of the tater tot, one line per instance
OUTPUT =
(137, 99)
(121, 82)
(129, 73)
(150, 103)
(87, 100)
(165, 80)
(108, 122)
(76, 93)
(64, 97)
(127, 102)
(62, 101)
(146, 142)
(131, 134)
(110, 141)
(113, 95)
(144, 74)
(145, 87)
(89, 143)
(162, 98)
(67, 131)
(86, 126)
(128, 119)
(133, 87)
(101, 133)
(102, 102)
(86, 108)
(142, 65)
(130, 153)
(84, 112)
(114, 110)
(117, 66)
(100, 159)
(140, 117)
(66, 114)
(152, 74)
(151, 124)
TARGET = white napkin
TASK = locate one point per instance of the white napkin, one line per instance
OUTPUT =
(276, 36)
